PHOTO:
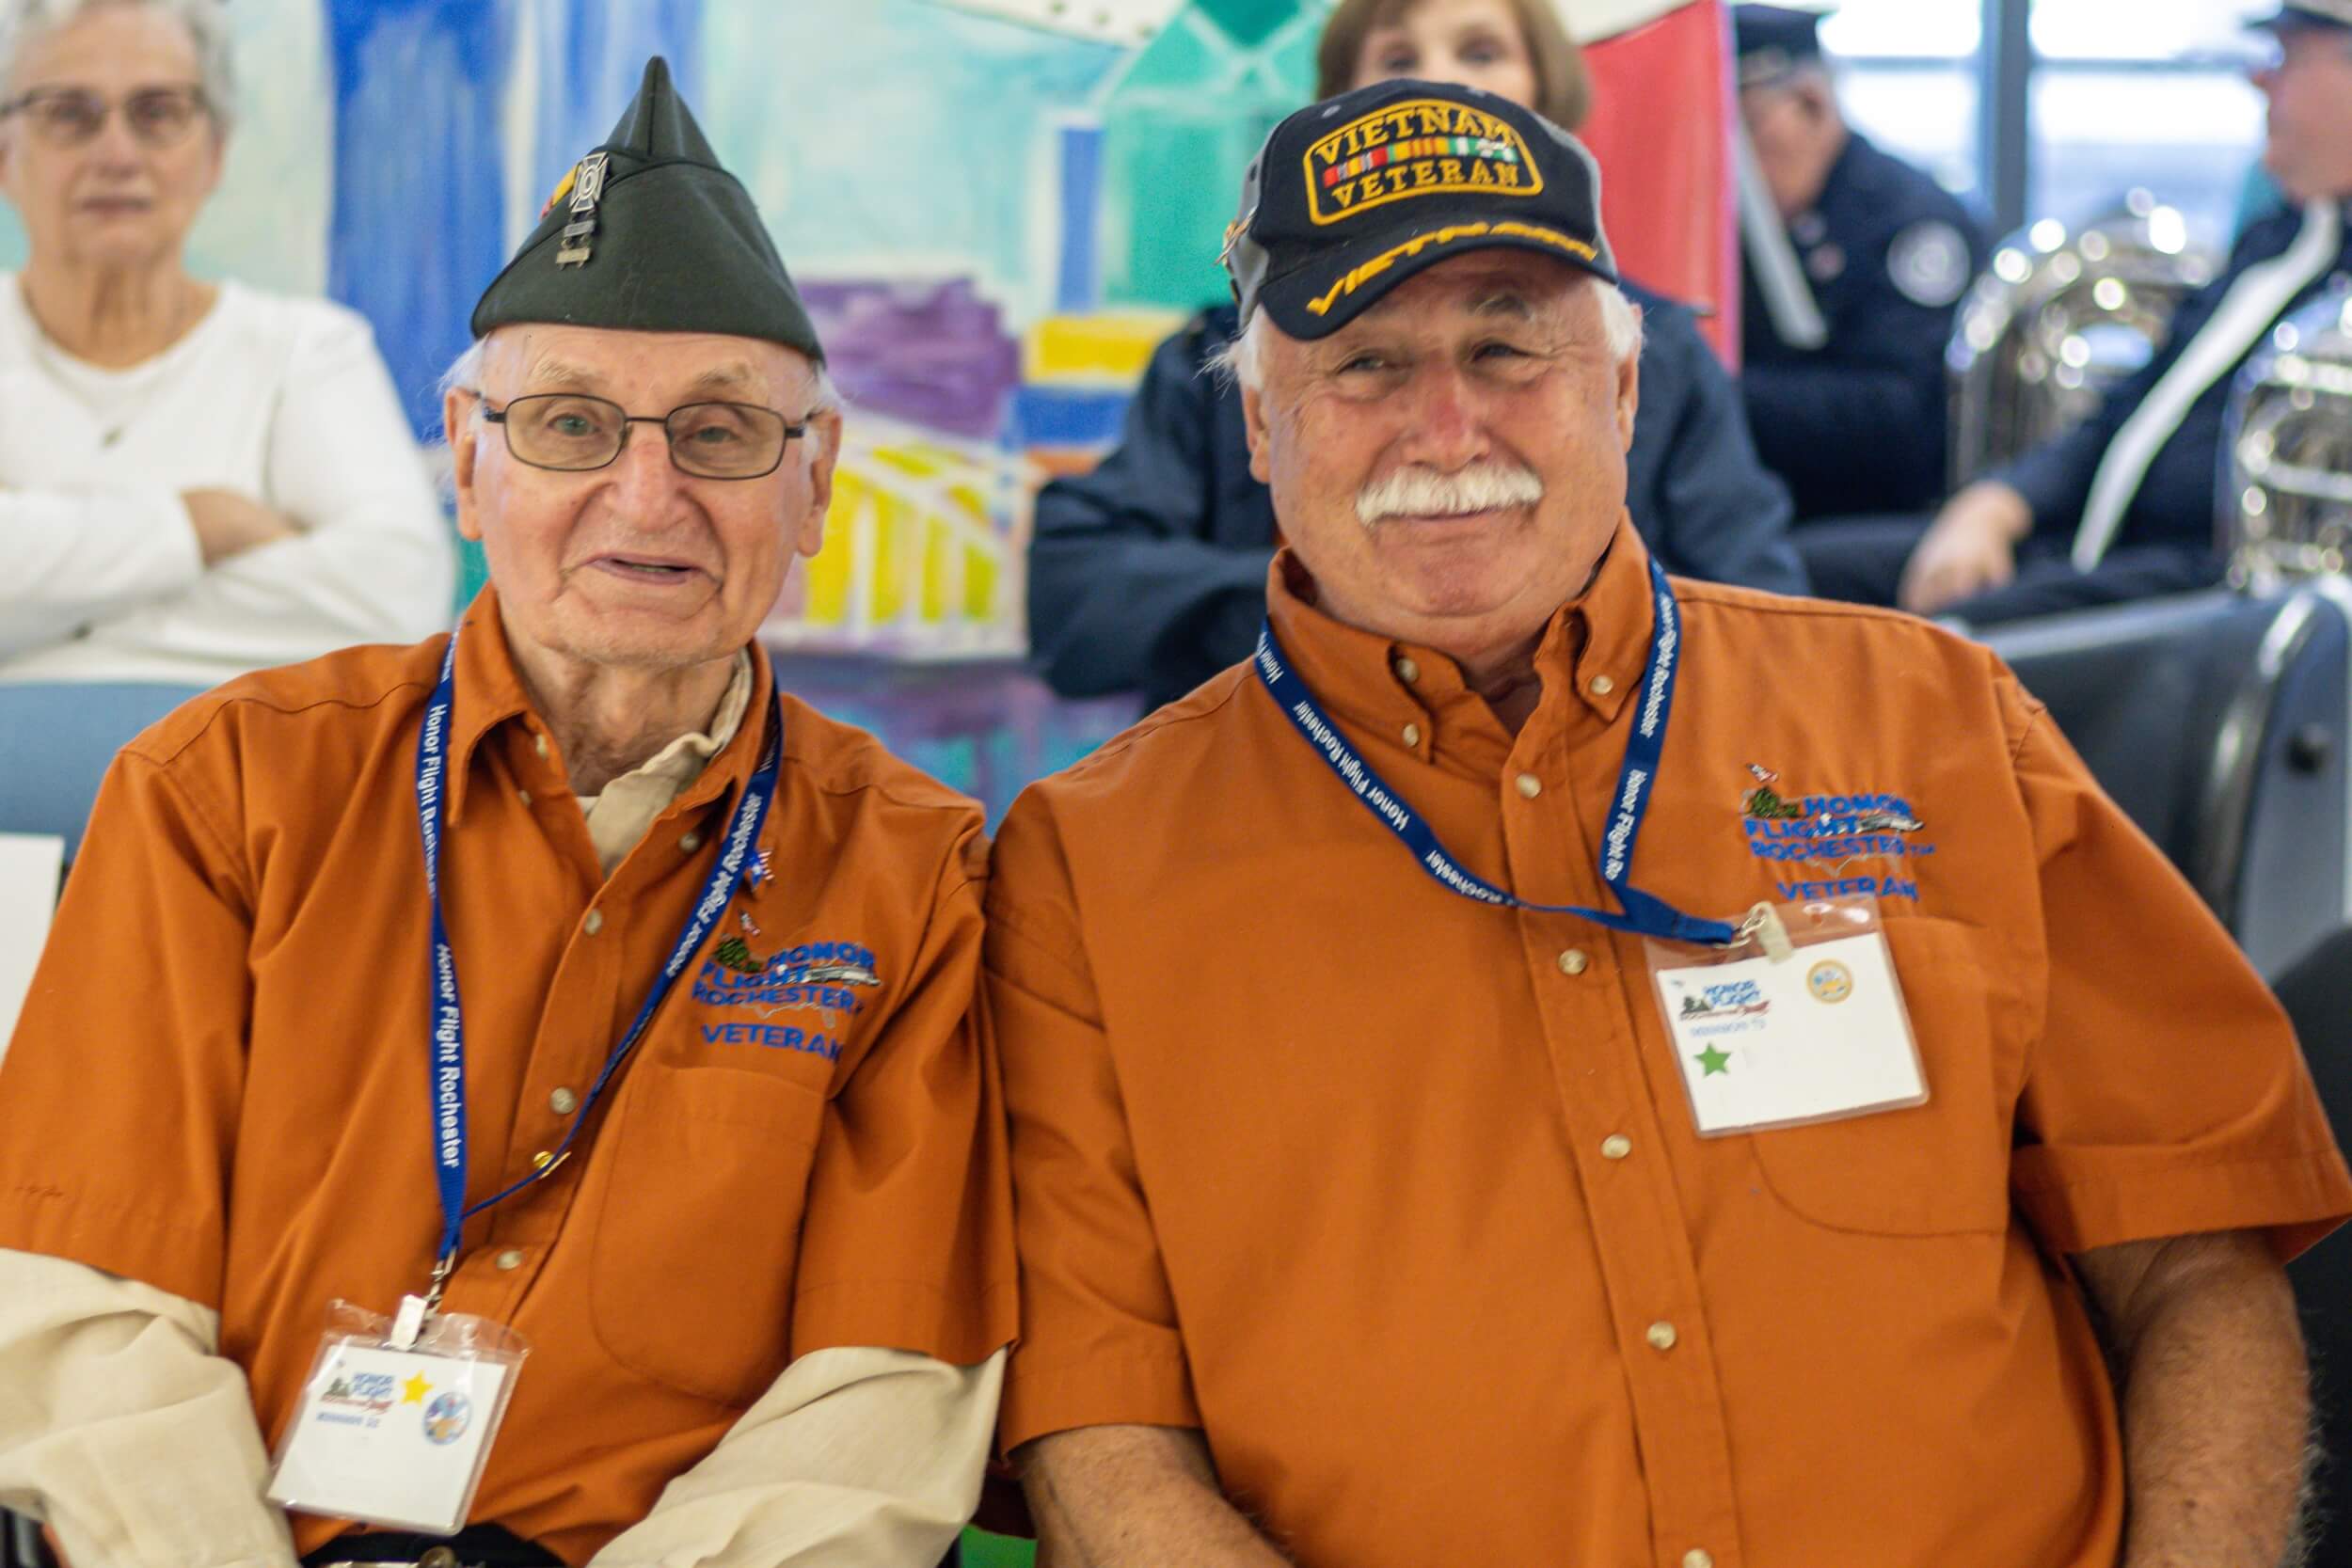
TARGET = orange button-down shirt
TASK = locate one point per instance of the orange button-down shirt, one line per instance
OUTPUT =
(218, 1084)
(1399, 1199)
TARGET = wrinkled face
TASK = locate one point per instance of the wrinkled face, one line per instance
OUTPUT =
(1472, 43)
(114, 201)
(1451, 465)
(2309, 90)
(638, 564)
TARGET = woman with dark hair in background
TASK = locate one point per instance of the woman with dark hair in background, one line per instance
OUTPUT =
(1149, 574)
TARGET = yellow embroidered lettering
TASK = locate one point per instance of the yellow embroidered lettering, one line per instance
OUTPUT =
(1375, 132)
(1452, 169)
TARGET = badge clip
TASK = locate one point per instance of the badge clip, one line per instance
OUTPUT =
(1769, 932)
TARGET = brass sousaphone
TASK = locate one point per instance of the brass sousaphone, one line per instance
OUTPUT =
(2286, 508)
(2061, 316)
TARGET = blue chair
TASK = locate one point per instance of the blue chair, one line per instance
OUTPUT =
(55, 743)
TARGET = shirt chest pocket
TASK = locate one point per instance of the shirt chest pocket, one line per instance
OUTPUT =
(1941, 1168)
(698, 1236)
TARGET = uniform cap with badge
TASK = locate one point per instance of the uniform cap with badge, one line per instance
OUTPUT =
(1351, 196)
(649, 233)
(2310, 13)
(1773, 42)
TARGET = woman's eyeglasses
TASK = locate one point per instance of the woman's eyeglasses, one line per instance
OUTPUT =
(68, 117)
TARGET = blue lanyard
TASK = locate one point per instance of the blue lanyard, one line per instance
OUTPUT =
(448, 1022)
(1644, 914)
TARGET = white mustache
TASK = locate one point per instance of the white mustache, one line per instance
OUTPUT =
(1425, 493)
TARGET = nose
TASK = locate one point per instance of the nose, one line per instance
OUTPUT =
(1448, 424)
(115, 148)
(644, 481)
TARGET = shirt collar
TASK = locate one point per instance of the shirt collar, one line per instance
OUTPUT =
(490, 695)
(1598, 644)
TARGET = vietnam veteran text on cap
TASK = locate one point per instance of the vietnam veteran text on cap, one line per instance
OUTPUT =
(648, 233)
(1352, 195)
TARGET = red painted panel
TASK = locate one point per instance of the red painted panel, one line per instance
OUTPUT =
(1661, 126)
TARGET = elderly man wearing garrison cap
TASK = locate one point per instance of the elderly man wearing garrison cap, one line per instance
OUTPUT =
(1738, 1123)
(526, 1085)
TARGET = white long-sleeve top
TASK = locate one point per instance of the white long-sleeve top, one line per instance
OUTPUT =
(284, 399)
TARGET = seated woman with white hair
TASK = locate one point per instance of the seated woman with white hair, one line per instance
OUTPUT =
(195, 478)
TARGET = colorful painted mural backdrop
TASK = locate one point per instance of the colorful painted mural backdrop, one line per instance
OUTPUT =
(996, 207)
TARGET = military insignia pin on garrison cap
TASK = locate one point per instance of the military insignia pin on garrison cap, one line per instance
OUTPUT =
(587, 190)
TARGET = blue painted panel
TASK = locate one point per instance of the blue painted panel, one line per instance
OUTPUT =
(420, 182)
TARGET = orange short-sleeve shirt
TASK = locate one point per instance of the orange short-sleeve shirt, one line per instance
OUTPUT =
(1398, 1196)
(219, 1082)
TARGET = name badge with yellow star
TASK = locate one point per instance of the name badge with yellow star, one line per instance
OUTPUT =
(396, 1419)
(1800, 1020)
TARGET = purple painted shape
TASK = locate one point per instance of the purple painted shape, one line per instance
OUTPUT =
(930, 352)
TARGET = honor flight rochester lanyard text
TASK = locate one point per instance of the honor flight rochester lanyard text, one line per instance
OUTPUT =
(1643, 914)
(448, 1035)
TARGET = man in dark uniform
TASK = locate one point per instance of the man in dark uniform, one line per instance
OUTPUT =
(1149, 574)
(2122, 506)
(1856, 263)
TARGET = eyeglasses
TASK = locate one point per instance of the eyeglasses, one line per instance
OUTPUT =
(573, 433)
(68, 117)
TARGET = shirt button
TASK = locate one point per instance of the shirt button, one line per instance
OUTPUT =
(524, 796)
(1661, 1336)
(1615, 1147)
(1407, 672)
(595, 922)
(691, 842)
(437, 1557)
(509, 1261)
(1696, 1558)
(542, 1160)
(564, 1102)
(1601, 686)
(1412, 736)
(1530, 786)
(539, 742)
(1573, 962)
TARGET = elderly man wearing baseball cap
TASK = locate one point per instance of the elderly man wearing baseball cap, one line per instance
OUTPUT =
(1548, 1063)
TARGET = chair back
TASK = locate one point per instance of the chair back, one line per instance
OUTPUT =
(2219, 723)
(56, 744)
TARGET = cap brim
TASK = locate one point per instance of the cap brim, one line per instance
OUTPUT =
(1342, 283)
(2290, 17)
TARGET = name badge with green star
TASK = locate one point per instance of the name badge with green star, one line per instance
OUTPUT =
(1800, 1020)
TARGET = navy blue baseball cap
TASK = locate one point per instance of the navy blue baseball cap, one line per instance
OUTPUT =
(1352, 196)
(1773, 40)
(2311, 13)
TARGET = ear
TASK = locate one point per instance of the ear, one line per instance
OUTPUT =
(826, 428)
(464, 434)
(1254, 423)
(1629, 398)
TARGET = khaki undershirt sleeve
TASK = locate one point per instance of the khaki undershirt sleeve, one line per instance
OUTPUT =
(122, 1429)
(854, 1456)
